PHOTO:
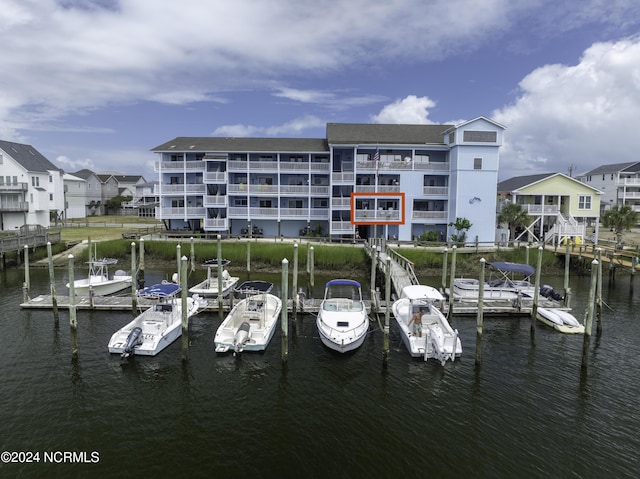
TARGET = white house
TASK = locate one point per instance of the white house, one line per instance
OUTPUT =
(75, 195)
(31, 191)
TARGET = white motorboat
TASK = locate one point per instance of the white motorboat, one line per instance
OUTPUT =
(560, 320)
(251, 323)
(512, 283)
(157, 327)
(342, 319)
(99, 280)
(209, 287)
(434, 337)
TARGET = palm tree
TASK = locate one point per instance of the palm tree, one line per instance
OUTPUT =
(620, 218)
(515, 216)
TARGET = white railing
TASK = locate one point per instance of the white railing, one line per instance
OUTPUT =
(429, 215)
(211, 200)
(178, 165)
(343, 177)
(341, 202)
(341, 227)
(215, 177)
(377, 215)
(257, 212)
(197, 188)
(296, 213)
(435, 191)
(163, 212)
(216, 224)
(537, 210)
(302, 190)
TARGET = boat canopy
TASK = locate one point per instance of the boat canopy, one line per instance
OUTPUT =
(507, 267)
(160, 290)
(343, 282)
(420, 291)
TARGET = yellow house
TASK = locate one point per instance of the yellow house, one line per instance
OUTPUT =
(560, 207)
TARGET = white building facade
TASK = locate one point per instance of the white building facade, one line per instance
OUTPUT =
(31, 191)
(393, 181)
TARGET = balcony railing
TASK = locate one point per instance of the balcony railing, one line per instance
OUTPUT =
(435, 191)
(341, 227)
(429, 215)
(343, 177)
(215, 177)
(342, 203)
(14, 187)
(216, 224)
(180, 212)
(377, 215)
(189, 188)
(11, 206)
(538, 210)
(211, 200)
(166, 166)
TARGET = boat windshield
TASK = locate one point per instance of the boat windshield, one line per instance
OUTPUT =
(342, 305)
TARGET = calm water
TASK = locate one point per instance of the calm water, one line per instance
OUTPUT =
(526, 412)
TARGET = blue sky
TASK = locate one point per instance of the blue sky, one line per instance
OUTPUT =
(98, 83)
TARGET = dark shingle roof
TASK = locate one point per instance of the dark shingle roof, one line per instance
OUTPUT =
(84, 173)
(518, 182)
(355, 133)
(211, 144)
(27, 156)
(613, 168)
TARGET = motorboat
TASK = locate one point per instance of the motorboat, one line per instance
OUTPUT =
(251, 323)
(157, 327)
(560, 320)
(507, 282)
(342, 319)
(209, 287)
(434, 337)
(99, 282)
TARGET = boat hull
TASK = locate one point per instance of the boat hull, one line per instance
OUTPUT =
(209, 289)
(101, 287)
(342, 344)
(260, 312)
(558, 321)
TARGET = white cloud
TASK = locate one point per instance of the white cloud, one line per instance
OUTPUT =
(583, 115)
(411, 110)
(292, 128)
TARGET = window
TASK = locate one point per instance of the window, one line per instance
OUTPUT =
(35, 181)
(0, 159)
(480, 136)
(452, 137)
(584, 202)
(477, 163)
(50, 196)
(50, 178)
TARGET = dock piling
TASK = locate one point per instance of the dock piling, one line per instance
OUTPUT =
(454, 249)
(480, 317)
(73, 321)
(52, 285)
(589, 323)
(185, 317)
(27, 280)
(220, 299)
(387, 298)
(134, 304)
(444, 269)
(284, 319)
(536, 294)
(294, 285)
(141, 266)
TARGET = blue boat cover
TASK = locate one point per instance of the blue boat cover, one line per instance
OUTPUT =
(508, 267)
(160, 290)
(349, 282)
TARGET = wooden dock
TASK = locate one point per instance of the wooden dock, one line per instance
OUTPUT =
(308, 306)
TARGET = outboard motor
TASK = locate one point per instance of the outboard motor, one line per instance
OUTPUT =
(133, 340)
(242, 336)
(548, 292)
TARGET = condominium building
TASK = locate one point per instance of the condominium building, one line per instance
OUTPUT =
(396, 181)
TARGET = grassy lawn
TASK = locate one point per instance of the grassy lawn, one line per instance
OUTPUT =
(103, 228)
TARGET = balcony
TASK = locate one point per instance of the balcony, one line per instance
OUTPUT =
(15, 187)
(165, 213)
(341, 227)
(216, 224)
(168, 166)
(341, 203)
(215, 201)
(14, 206)
(429, 215)
(377, 215)
(189, 188)
(538, 210)
(436, 191)
(215, 177)
(346, 177)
